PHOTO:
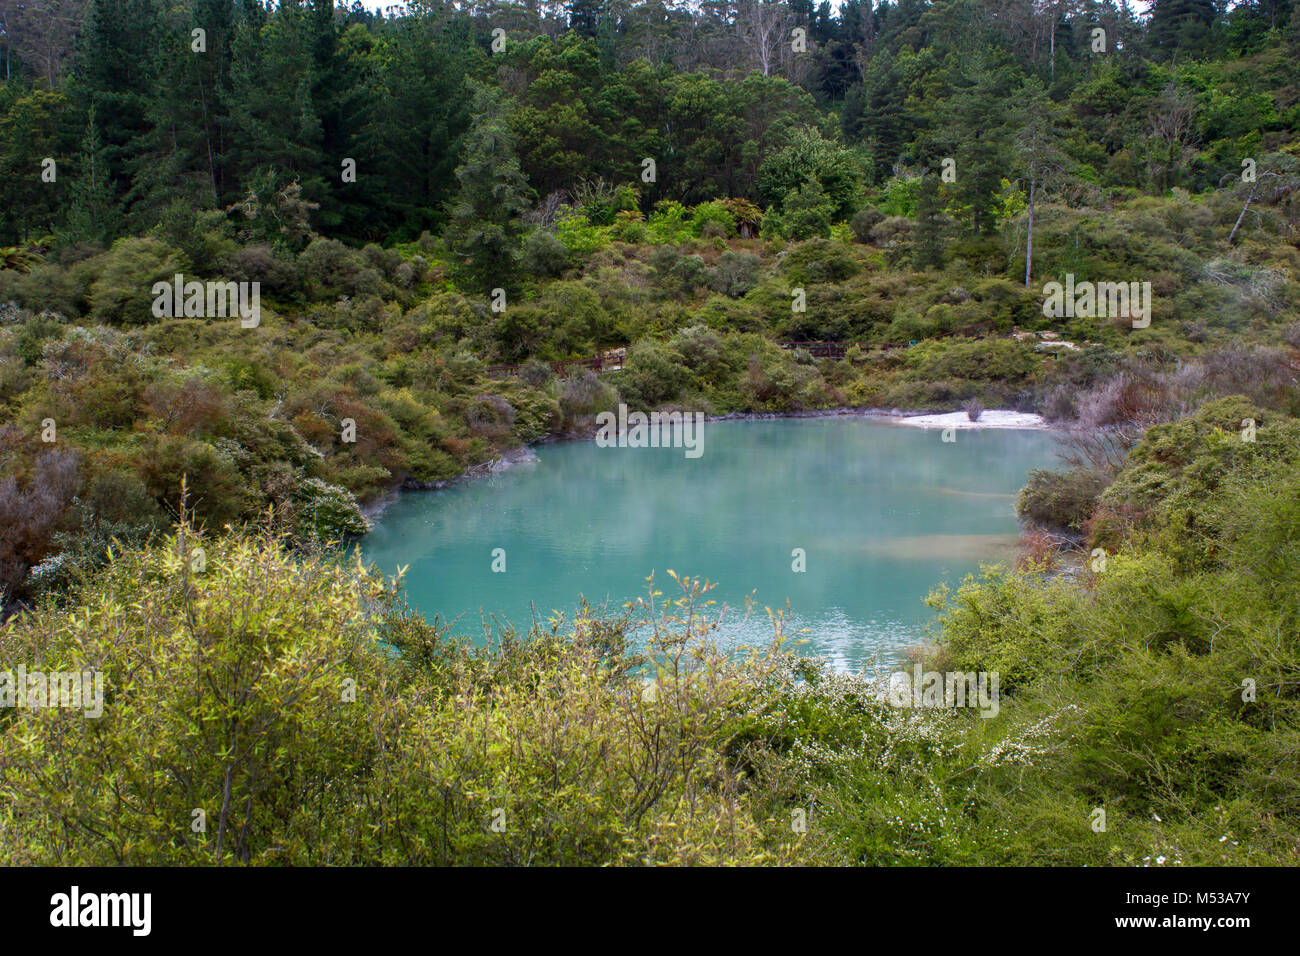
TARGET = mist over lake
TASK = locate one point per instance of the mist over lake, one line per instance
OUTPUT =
(882, 512)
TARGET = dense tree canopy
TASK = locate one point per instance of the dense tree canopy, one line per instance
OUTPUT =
(199, 100)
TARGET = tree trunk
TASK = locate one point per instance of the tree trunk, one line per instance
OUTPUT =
(1029, 240)
(1051, 56)
(1237, 225)
(207, 139)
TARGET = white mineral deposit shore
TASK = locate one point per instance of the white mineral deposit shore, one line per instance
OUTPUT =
(991, 418)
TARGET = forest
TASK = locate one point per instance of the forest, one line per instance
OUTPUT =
(458, 216)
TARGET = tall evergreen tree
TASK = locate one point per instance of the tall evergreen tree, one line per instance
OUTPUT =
(1039, 150)
(876, 114)
(975, 133)
(485, 231)
(406, 122)
(93, 211)
(1180, 26)
(33, 128)
(928, 236)
(116, 71)
(275, 122)
(211, 72)
(584, 16)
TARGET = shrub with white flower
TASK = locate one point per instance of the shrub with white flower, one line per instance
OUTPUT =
(329, 512)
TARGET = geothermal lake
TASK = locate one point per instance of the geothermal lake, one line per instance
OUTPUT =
(882, 511)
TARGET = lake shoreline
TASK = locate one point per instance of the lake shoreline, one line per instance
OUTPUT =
(876, 515)
(990, 419)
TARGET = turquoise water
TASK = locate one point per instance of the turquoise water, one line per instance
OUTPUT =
(882, 512)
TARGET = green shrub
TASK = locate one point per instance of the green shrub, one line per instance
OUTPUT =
(271, 704)
(327, 512)
(123, 292)
(653, 374)
(900, 197)
(808, 160)
(536, 416)
(579, 322)
(261, 263)
(735, 274)
(667, 224)
(64, 290)
(713, 214)
(700, 348)
(1005, 361)
(582, 397)
(892, 232)
(630, 226)
(577, 234)
(204, 238)
(863, 221)
(1170, 489)
(805, 213)
(544, 254)
(214, 490)
(676, 272)
(820, 260)
(1062, 500)
(332, 269)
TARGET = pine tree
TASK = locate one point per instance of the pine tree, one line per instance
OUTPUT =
(31, 130)
(93, 212)
(116, 72)
(876, 113)
(485, 232)
(406, 119)
(211, 72)
(275, 121)
(928, 236)
(584, 16)
(977, 135)
(1181, 25)
(1039, 150)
